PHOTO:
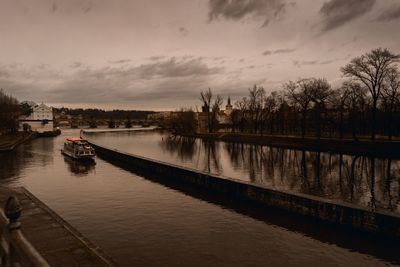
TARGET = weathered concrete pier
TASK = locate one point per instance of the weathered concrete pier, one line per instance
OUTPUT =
(43, 238)
(335, 212)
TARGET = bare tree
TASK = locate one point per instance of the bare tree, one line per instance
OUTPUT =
(299, 93)
(391, 97)
(371, 70)
(355, 100)
(241, 106)
(182, 122)
(338, 102)
(319, 92)
(206, 97)
(216, 107)
(255, 105)
(270, 106)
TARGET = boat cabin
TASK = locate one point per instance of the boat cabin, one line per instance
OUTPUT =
(78, 147)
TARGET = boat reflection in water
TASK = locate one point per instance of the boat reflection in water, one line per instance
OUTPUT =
(79, 167)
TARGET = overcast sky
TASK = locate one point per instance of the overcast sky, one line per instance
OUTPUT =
(159, 54)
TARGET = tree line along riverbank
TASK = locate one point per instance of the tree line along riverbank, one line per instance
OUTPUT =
(365, 103)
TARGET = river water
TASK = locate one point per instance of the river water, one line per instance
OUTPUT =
(139, 221)
(369, 182)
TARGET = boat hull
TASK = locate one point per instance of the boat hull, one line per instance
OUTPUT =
(49, 134)
(89, 157)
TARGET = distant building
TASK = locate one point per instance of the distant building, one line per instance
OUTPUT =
(62, 119)
(40, 120)
(228, 108)
(224, 118)
(157, 116)
(201, 120)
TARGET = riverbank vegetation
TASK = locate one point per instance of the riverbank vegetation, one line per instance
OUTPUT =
(367, 103)
(9, 112)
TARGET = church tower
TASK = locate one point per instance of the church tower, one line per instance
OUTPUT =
(228, 107)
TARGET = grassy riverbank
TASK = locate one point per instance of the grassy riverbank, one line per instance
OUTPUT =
(9, 141)
(362, 146)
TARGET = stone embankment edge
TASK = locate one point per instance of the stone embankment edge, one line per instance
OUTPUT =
(346, 214)
(97, 251)
(11, 147)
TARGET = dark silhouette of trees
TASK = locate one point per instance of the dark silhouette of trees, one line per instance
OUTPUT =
(371, 69)
(319, 92)
(365, 104)
(339, 99)
(358, 105)
(241, 107)
(100, 114)
(111, 123)
(216, 107)
(183, 122)
(128, 122)
(299, 93)
(391, 98)
(92, 122)
(9, 112)
(211, 108)
(206, 98)
(255, 106)
(26, 109)
(269, 109)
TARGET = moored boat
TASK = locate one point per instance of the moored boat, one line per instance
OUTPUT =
(78, 148)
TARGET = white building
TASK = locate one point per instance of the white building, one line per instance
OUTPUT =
(40, 120)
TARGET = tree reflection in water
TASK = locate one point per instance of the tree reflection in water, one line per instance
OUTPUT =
(205, 153)
(13, 162)
(370, 182)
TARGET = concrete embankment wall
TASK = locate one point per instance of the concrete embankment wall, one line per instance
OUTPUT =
(311, 206)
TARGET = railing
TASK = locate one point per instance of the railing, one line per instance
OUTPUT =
(15, 249)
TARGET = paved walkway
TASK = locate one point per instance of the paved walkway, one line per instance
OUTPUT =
(57, 241)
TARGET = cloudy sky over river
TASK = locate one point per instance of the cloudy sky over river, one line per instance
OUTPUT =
(158, 54)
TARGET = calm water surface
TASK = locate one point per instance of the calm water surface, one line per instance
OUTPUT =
(369, 182)
(141, 222)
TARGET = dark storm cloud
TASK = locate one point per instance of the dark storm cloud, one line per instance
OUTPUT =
(175, 67)
(238, 9)
(389, 14)
(279, 51)
(336, 13)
